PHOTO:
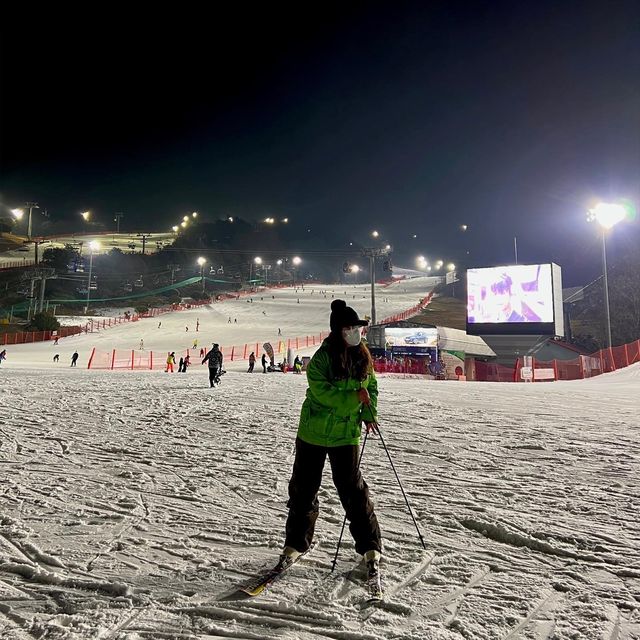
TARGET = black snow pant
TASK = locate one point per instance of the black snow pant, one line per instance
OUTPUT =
(251, 365)
(213, 376)
(352, 489)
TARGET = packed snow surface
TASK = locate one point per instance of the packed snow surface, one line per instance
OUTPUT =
(134, 503)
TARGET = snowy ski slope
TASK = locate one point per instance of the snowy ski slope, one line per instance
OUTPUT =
(132, 503)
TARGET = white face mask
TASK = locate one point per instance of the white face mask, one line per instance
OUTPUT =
(352, 335)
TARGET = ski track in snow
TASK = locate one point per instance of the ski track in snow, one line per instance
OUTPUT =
(132, 502)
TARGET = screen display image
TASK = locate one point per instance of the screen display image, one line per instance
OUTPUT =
(511, 294)
(396, 337)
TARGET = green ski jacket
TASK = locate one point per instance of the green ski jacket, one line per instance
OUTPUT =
(332, 414)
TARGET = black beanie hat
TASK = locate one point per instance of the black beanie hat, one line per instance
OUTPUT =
(343, 316)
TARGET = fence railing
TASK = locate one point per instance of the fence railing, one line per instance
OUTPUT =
(602, 361)
(143, 359)
(24, 337)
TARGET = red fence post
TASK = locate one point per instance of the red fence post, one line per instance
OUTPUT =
(626, 355)
(151, 360)
(132, 358)
(113, 359)
(244, 353)
(555, 369)
(91, 358)
(232, 352)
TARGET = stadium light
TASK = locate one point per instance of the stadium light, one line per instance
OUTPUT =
(285, 220)
(93, 246)
(202, 261)
(296, 260)
(175, 228)
(183, 224)
(374, 234)
(194, 214)
(607, 215)
(86, 215)
(258, 260)
(451, 267)
(230, 219)
(18, 213)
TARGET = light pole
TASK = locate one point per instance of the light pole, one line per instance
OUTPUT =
(296, 261)
(93, 246)
(607, 216)
(30, 206)
(372, 253)
(202, 262)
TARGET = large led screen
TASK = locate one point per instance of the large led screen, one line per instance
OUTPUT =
(514, 294)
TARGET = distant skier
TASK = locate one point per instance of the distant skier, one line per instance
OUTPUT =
(186, 328)
(141, 344)
(229, 321)
(55, 342)
(74, 358)
(197, 324)
(171, 360)
(235, 321)
(56, 358)
(279, 331)
(195, 344)
(264, 363)
(159, 324)
(214, 358)
(252, 362)
(202, 352)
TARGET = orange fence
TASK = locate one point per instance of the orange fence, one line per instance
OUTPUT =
(22, 337)
(143, 359)
(409, 313)
(603, 361)
(16, 264)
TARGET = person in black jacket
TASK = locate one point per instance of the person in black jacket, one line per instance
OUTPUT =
(214, 357)
(264, 363)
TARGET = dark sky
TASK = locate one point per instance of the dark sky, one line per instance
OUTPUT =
(511, 117)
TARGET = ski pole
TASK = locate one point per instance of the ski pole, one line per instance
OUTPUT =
(424, 546)
(344, 522)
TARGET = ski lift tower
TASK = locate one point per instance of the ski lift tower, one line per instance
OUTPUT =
(372, 253)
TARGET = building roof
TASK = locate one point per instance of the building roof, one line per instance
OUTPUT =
(457, 340)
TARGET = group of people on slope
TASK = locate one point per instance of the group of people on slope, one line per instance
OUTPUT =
(297, 364)
(182, 364)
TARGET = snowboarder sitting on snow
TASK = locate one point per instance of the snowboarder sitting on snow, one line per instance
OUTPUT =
(214, 357)
(297, 365)
(342, 394)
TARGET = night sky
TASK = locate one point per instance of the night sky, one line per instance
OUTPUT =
(410, 118)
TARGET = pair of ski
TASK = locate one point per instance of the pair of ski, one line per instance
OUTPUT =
(373, 584)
